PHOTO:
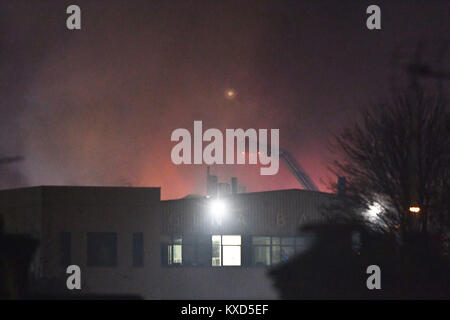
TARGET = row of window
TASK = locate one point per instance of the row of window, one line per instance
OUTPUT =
(102, 249)
(229, 250)
(192, 250)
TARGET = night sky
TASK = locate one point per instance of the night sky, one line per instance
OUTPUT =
(97, 106)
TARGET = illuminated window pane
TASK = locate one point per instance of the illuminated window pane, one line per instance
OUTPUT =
(177, 254)
(216, 250)
(231, 255)
(231, 240)
(275, 240)
(261, 256)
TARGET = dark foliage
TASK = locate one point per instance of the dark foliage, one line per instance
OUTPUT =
(335, 268)
(398, 155)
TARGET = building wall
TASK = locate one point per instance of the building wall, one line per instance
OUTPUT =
(234, 283)
(45, 212)
(20, 210)
(279, 212)
(274, 213)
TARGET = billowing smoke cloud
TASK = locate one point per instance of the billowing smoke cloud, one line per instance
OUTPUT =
(97, 106)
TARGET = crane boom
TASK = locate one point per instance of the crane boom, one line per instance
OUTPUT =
(297, 170)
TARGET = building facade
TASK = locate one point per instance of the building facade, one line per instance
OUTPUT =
(127, 241)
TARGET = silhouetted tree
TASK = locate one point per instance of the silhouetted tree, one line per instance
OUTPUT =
(395, 155)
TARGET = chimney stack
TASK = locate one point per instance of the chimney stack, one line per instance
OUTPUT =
(234, 185)
(211, 184)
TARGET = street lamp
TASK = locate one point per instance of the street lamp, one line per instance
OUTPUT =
(414, 209)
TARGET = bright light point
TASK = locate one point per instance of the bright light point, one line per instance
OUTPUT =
(217, 207)
(230, 94)
(414, 209)
(374, 210)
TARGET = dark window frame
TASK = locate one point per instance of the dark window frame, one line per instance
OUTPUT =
(65, 239)
(138, 250)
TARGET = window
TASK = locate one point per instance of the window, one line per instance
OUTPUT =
(287, 248)
(268, 251)
(261, 251)
(66, 248)
(138, 249)
(226, 250)
(175, 251)
(216, 251)
(189, 250)
(102, 249)
(356, 242)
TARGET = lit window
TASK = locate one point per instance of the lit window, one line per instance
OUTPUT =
(216, 251)
(226, 250)
(175, 251)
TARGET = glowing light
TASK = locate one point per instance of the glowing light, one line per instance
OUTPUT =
(217, 208)
(414, 209)
(230, 94)
(374, 210)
